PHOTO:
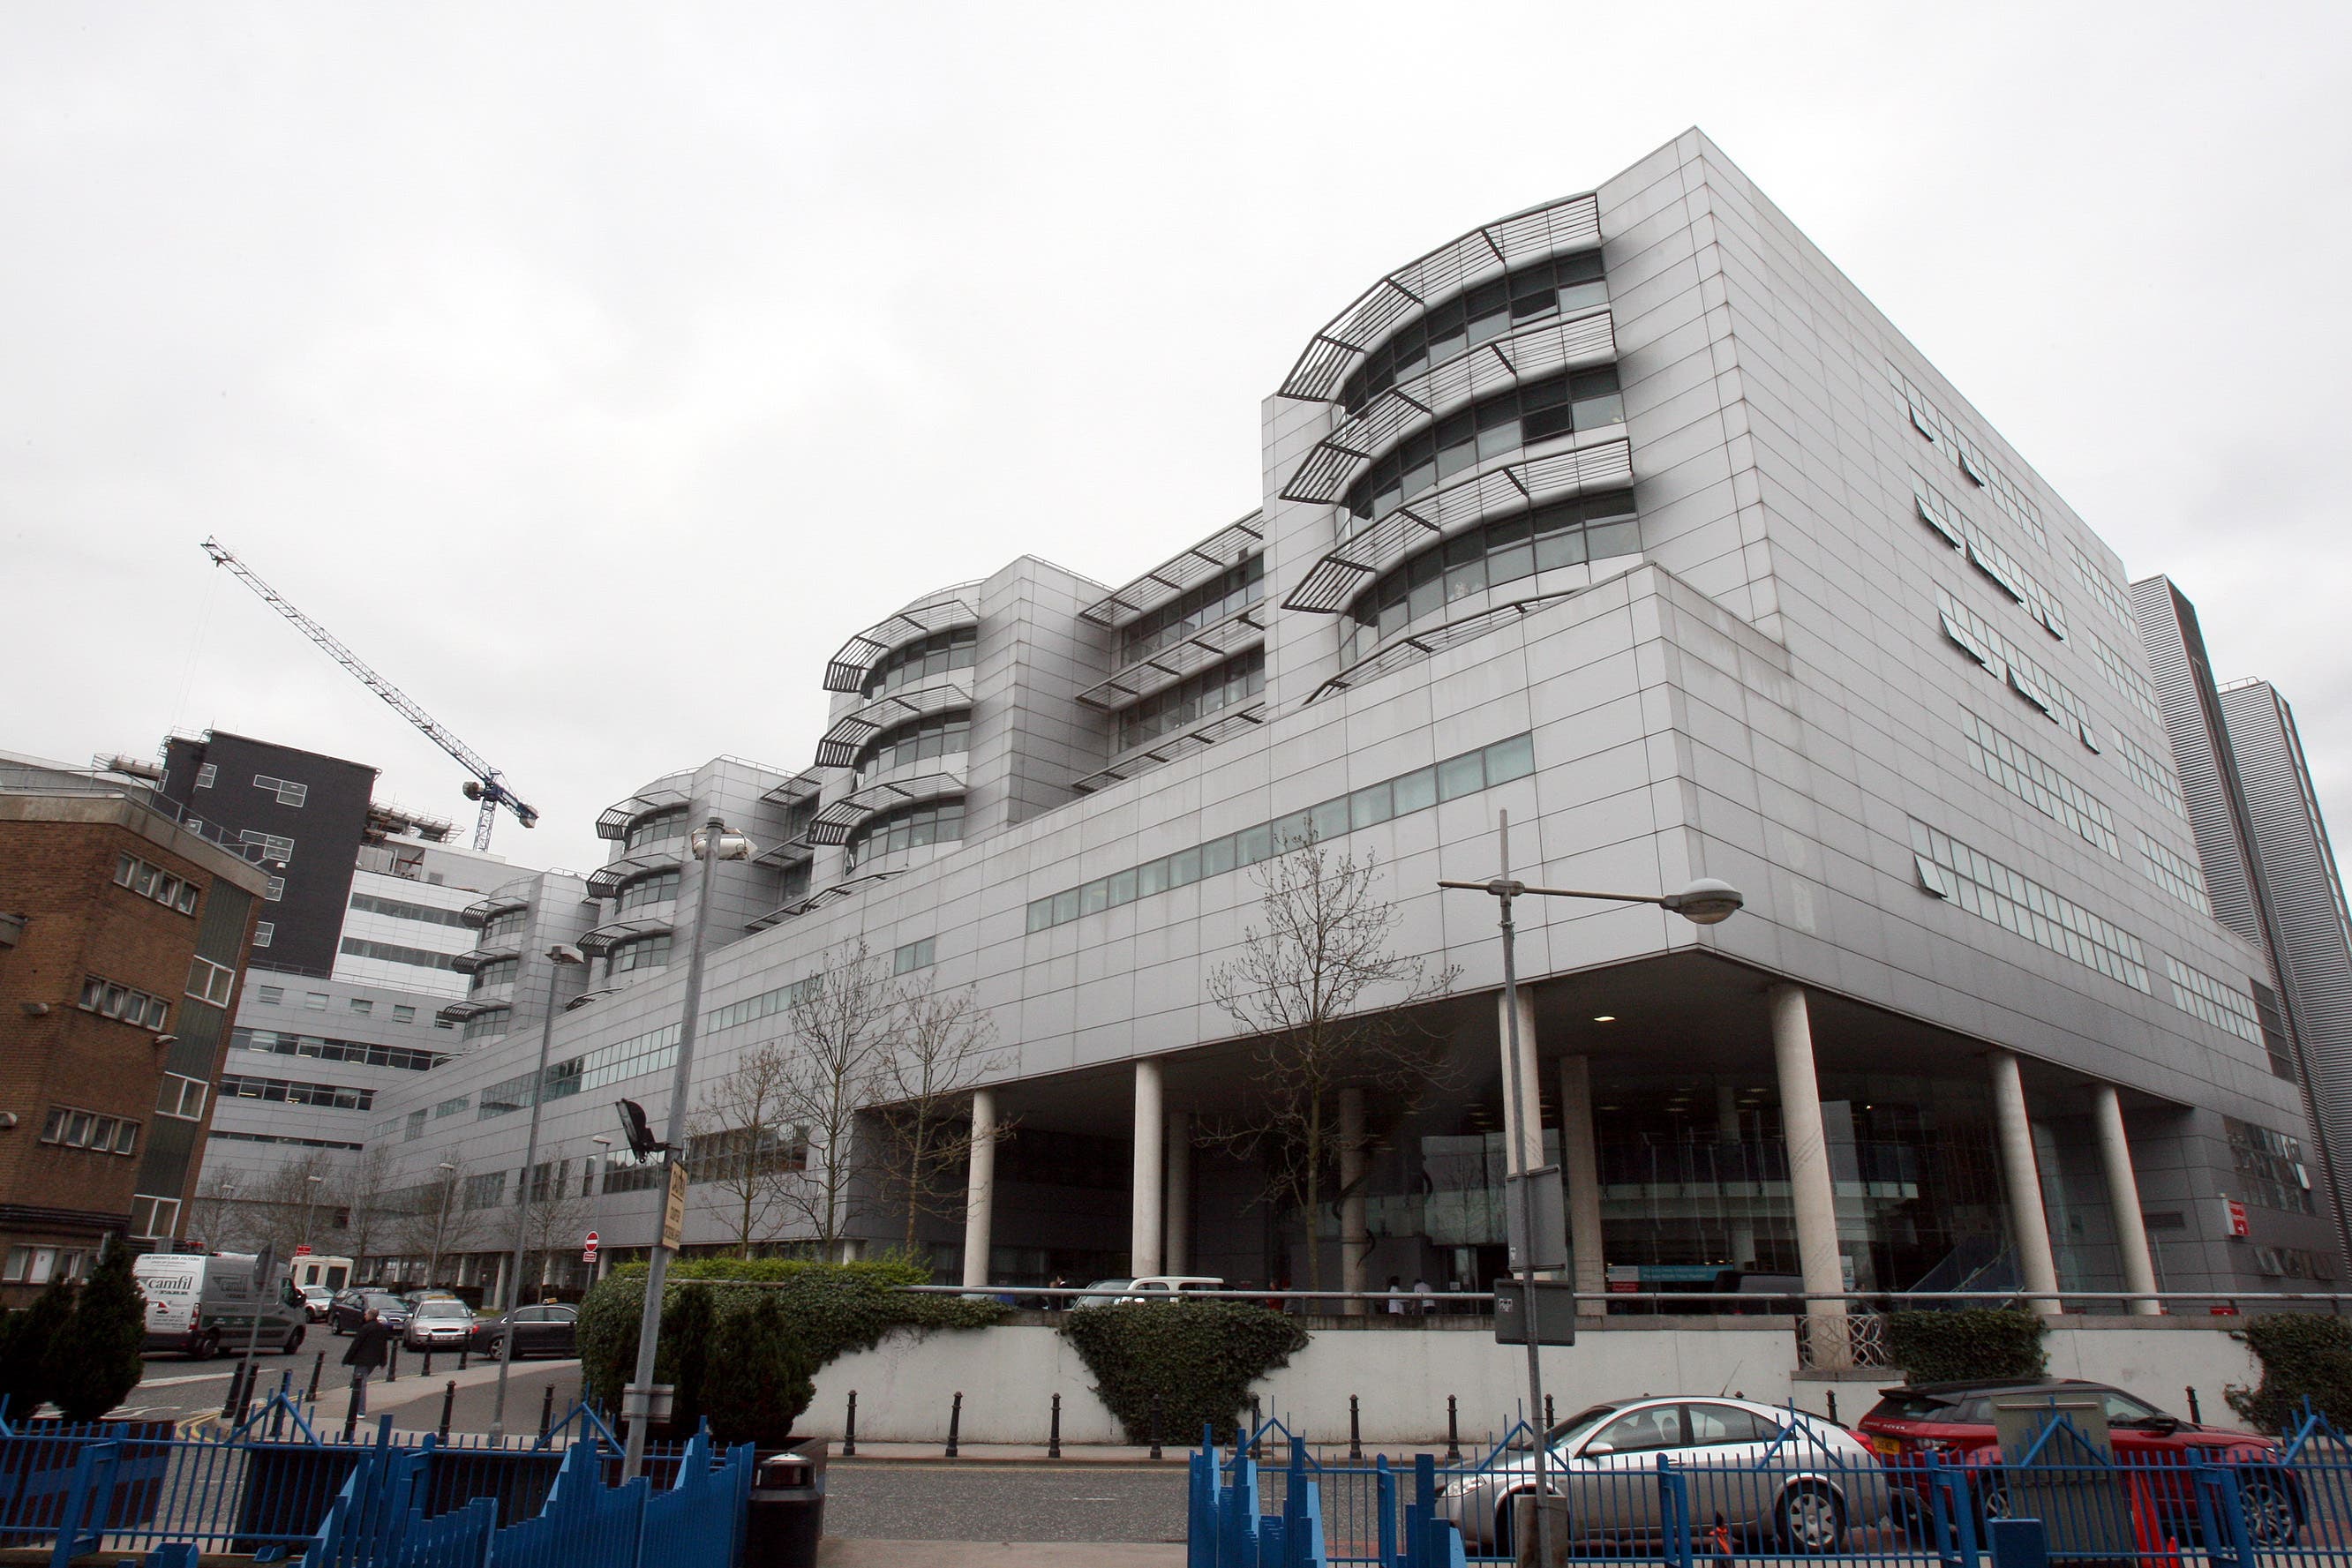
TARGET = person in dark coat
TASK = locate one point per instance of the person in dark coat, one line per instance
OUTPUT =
(370, 1348)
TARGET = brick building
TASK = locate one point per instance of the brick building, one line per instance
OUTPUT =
(123, 936)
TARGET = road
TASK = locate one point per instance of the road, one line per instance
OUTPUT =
(174, 1388)
(1004, 1501)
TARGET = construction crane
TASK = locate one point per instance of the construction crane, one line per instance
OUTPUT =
(486, 786)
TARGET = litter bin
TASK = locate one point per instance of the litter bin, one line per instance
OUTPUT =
(787, 1515)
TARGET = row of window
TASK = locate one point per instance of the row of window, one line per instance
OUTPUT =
(1978, 470)
(1990, 890)
(1197, 696)
(740, 1152)
(72, 1129)
(289, 792)
(493, 1023)
(2038, 784)
(644, 953)
(316, 1001)
(661, 887)
(294, 1092)
(1202, 605)
(1406, 793)
(320, 1049)
(906, 828)
(2177, 875)
(211, 982)
(274, 847)
(1562, 283)
(655, 828)
(918, 741)
(271, 1138)
(2269, 1166)
(765, 1005)
(953, 649)
(132, 1007)
(2224, 1007)
(400, 909)
(2004, 661)
(1505, 422)
(915, 956)
(1984, 552)
(1565, 533)
(631, 1058)
(153, 881)
(39, 1265)
(499, 926)
(2153, 777)
(393, 952)
(2102, 588)
(2126, 677)
(498, 972)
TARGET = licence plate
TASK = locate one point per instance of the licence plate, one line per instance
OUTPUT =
(1887, 1447)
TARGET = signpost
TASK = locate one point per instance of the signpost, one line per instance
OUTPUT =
(674, 1210)
(588, 1248)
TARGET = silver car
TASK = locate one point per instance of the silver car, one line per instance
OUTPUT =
(1758, 1471)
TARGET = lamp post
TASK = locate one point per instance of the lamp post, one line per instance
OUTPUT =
(559, 958)
(711, 844)
(440, 1225)
(602, 1157)
(1703, 902)
(309, 1204)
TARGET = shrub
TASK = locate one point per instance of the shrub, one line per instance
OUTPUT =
(821, 1311)
(94, 1358)
(1180, 1364)
(1972, 1343)
(2304, 1356)
(27, 1368)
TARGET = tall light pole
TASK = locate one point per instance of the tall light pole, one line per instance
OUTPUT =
(1703, 902)
(440, 1225)
(711, 844)
(309, 1203)
(559, 958)
(602, 1156)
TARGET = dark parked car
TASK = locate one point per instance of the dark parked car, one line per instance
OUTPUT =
(352, 1306)
(537, 1331)
(1955, 1421)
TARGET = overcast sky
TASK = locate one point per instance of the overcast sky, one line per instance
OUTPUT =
(593, 370)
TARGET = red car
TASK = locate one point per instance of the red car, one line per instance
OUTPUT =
(1954, 1421)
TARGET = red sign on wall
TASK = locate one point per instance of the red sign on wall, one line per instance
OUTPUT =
(2236, 1212)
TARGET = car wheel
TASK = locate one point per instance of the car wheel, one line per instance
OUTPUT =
(293, 1341)
(2269, 1509)
(1812, 1519)
(207, 1347)
(335, 1326)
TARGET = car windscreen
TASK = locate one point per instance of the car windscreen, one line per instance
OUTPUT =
(443, 1309)
(1953, 1409)
(387, 1303)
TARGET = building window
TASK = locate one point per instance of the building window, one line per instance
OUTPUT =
(655, 828)
(914, 956)
(906, 828)
(315, 1000)
(40, 1265)
(393, 952)
(211, 982)
(265, 932)
(2226, 1008)
(926, 656)
(274, 890)
(1566, 533)
(1195, 698)
(499, 926)
(273, 995)
(2038, 784)
(313, 1047)
(361, 1006)
(274, 847)
(938, 735)
(132, 1007)
(490, 1023)
(1990, 890)
(154, 1218)
(645, 953)
(293, 1092)
(403, 1013)
(205, 775)
(181, 1096)
(451, 1107)
(72, 1129)
(1527, 414)
(486, 1191)
(1239, 586)
(153, 881)
(414, 1128)
(659, 888)
(2177, 875)
(500, 973)
(289, 793)
(400, 909)
(2271, 1172)
(1560, 283)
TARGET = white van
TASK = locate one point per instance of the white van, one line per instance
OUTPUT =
(204, 1303)
(312, 1268)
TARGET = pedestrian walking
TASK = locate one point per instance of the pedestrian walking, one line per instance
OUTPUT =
(370, 1348)
(1421, 1288)
(1396, 1296)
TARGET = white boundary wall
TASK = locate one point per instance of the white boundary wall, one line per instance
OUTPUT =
(1008, 1375)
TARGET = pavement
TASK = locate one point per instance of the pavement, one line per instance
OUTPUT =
(836, 1553)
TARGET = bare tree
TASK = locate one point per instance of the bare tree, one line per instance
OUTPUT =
(742, 1142)
(281, 1208)
(558, 1221)
(360, 1193)
(845, 1021)
(1326, 1001)
(944, 1046)
(433, 1221)
(214, 1218)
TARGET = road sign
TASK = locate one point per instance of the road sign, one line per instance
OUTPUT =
(588, 1248)
(303, 1250)
(674, 1211)
(2234, 1213)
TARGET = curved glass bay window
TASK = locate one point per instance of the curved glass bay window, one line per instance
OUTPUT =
(950, 650)
(906, 828)
(645, 953)
(499, 926)
(1566, 533)
(1197, 696)
(1561, 284)
(500, 973)
(658, 888)
(918, 741)
(1204, 604)
(493, 1023)
(657, 827)
(1537, 410)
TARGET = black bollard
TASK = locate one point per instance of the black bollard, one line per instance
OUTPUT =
(228, 1401)
(351, 1413)
(391, 1362)
(318, 1366)
(547, 1410)
(849, 1429)
(2196, 1417)
(428, 1361)
(955, 1421)
(464, 1351)
(1355, 1429)
(1452, 1429)
(1155, 1426)
(1548, 1422)
(1054, 1432)
(1832, 1396)
(448, 1403)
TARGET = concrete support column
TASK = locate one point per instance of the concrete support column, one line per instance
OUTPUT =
(980, 1191)
(1579, 1167)
(1809, 1190)
(1150, 1132)
(2028, 1227)
(1178, 1243)
(1742, 1226)
(1355, 1236)
(1530, 1154)
(2123, 1197)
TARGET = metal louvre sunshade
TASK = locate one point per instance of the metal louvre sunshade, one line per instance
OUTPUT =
(800, 906)
(458, 1012)
(606, 880)
(482, 911)
(800, 787)
(604, 939)
(1178, 573)
(1244, 629)
(847, 670)
(1219, 728)
(1332, 581)
(791, 851)
(481, 957)
(1415, 646)
(833, 823)
(1590, 340)
(839, 746)
(1573, 223)
(614, 822)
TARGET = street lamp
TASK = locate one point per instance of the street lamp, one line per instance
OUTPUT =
(1705, 902)
(441, 1226)
(559, 958)
(711, 844)
(603, 1165)
(309, 1203)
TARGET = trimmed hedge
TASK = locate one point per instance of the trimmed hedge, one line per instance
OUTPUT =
(745, 1355)
(2304, 1356)
(1180, 1365)
(1972, 1343)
